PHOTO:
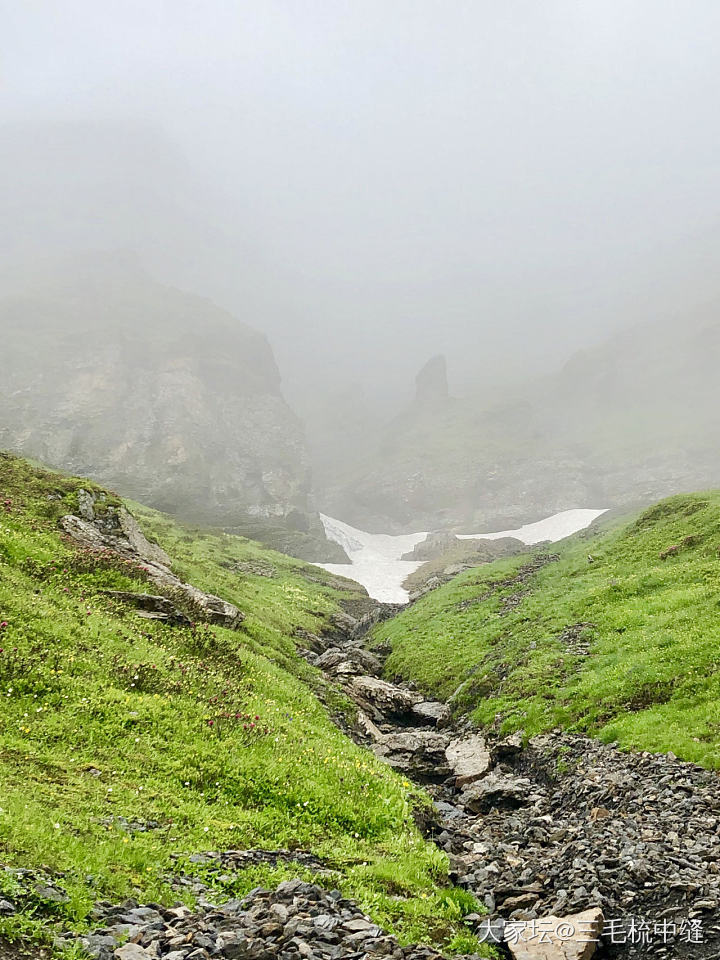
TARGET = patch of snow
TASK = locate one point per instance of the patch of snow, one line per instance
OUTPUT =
(554, 528)
(375, 557)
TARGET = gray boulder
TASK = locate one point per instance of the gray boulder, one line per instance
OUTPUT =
(348, 661)
(382, 700)
(418, 753)
(495, 791)
(469, 759)
(432, 711)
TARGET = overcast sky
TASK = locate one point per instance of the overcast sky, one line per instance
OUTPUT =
(371, 182)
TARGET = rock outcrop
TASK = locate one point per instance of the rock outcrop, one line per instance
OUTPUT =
(417, 753)
(114, 529)
(497, 462)
(434, 545)
(382, 700)
(469, 759)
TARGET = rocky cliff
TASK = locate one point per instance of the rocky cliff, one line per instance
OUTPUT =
(159, 394)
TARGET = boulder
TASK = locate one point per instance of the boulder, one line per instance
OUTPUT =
(118, 531)
(150, 606)
(432, 711)
(420, 753)
(469, 759)
(495, 791)
(213, 609)
(131, 951)
(383, 700)
(555, 938)
(348, 661)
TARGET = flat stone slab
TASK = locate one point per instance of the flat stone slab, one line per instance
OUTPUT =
(131, 951)
(555, 938)
(469, 758)
(349, 661)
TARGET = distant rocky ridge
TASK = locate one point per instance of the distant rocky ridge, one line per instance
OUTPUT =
(162, 396)
(618, 426)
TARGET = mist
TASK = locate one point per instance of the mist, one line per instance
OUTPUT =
(369, 183)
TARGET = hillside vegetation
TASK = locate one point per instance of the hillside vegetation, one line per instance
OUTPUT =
(204, 738)
(618, 637)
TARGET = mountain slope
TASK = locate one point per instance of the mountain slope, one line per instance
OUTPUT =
(157, 393)
(129, 744)
(626, 423)
(618, 637)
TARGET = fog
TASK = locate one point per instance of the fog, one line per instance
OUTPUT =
(372, 183)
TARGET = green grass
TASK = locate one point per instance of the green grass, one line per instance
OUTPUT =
(221, 737)
(651, 680)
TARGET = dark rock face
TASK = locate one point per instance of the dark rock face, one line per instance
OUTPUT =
(158, 394)
(382, 700)
(431, 384)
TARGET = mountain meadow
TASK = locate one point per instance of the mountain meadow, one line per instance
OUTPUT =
(128, 744)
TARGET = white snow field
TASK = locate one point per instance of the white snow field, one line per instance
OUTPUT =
(375, 557)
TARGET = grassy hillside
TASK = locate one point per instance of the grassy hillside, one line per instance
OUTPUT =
(625, 645)
(217, 739)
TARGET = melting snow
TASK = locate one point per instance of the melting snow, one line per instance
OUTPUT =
(375, 557)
